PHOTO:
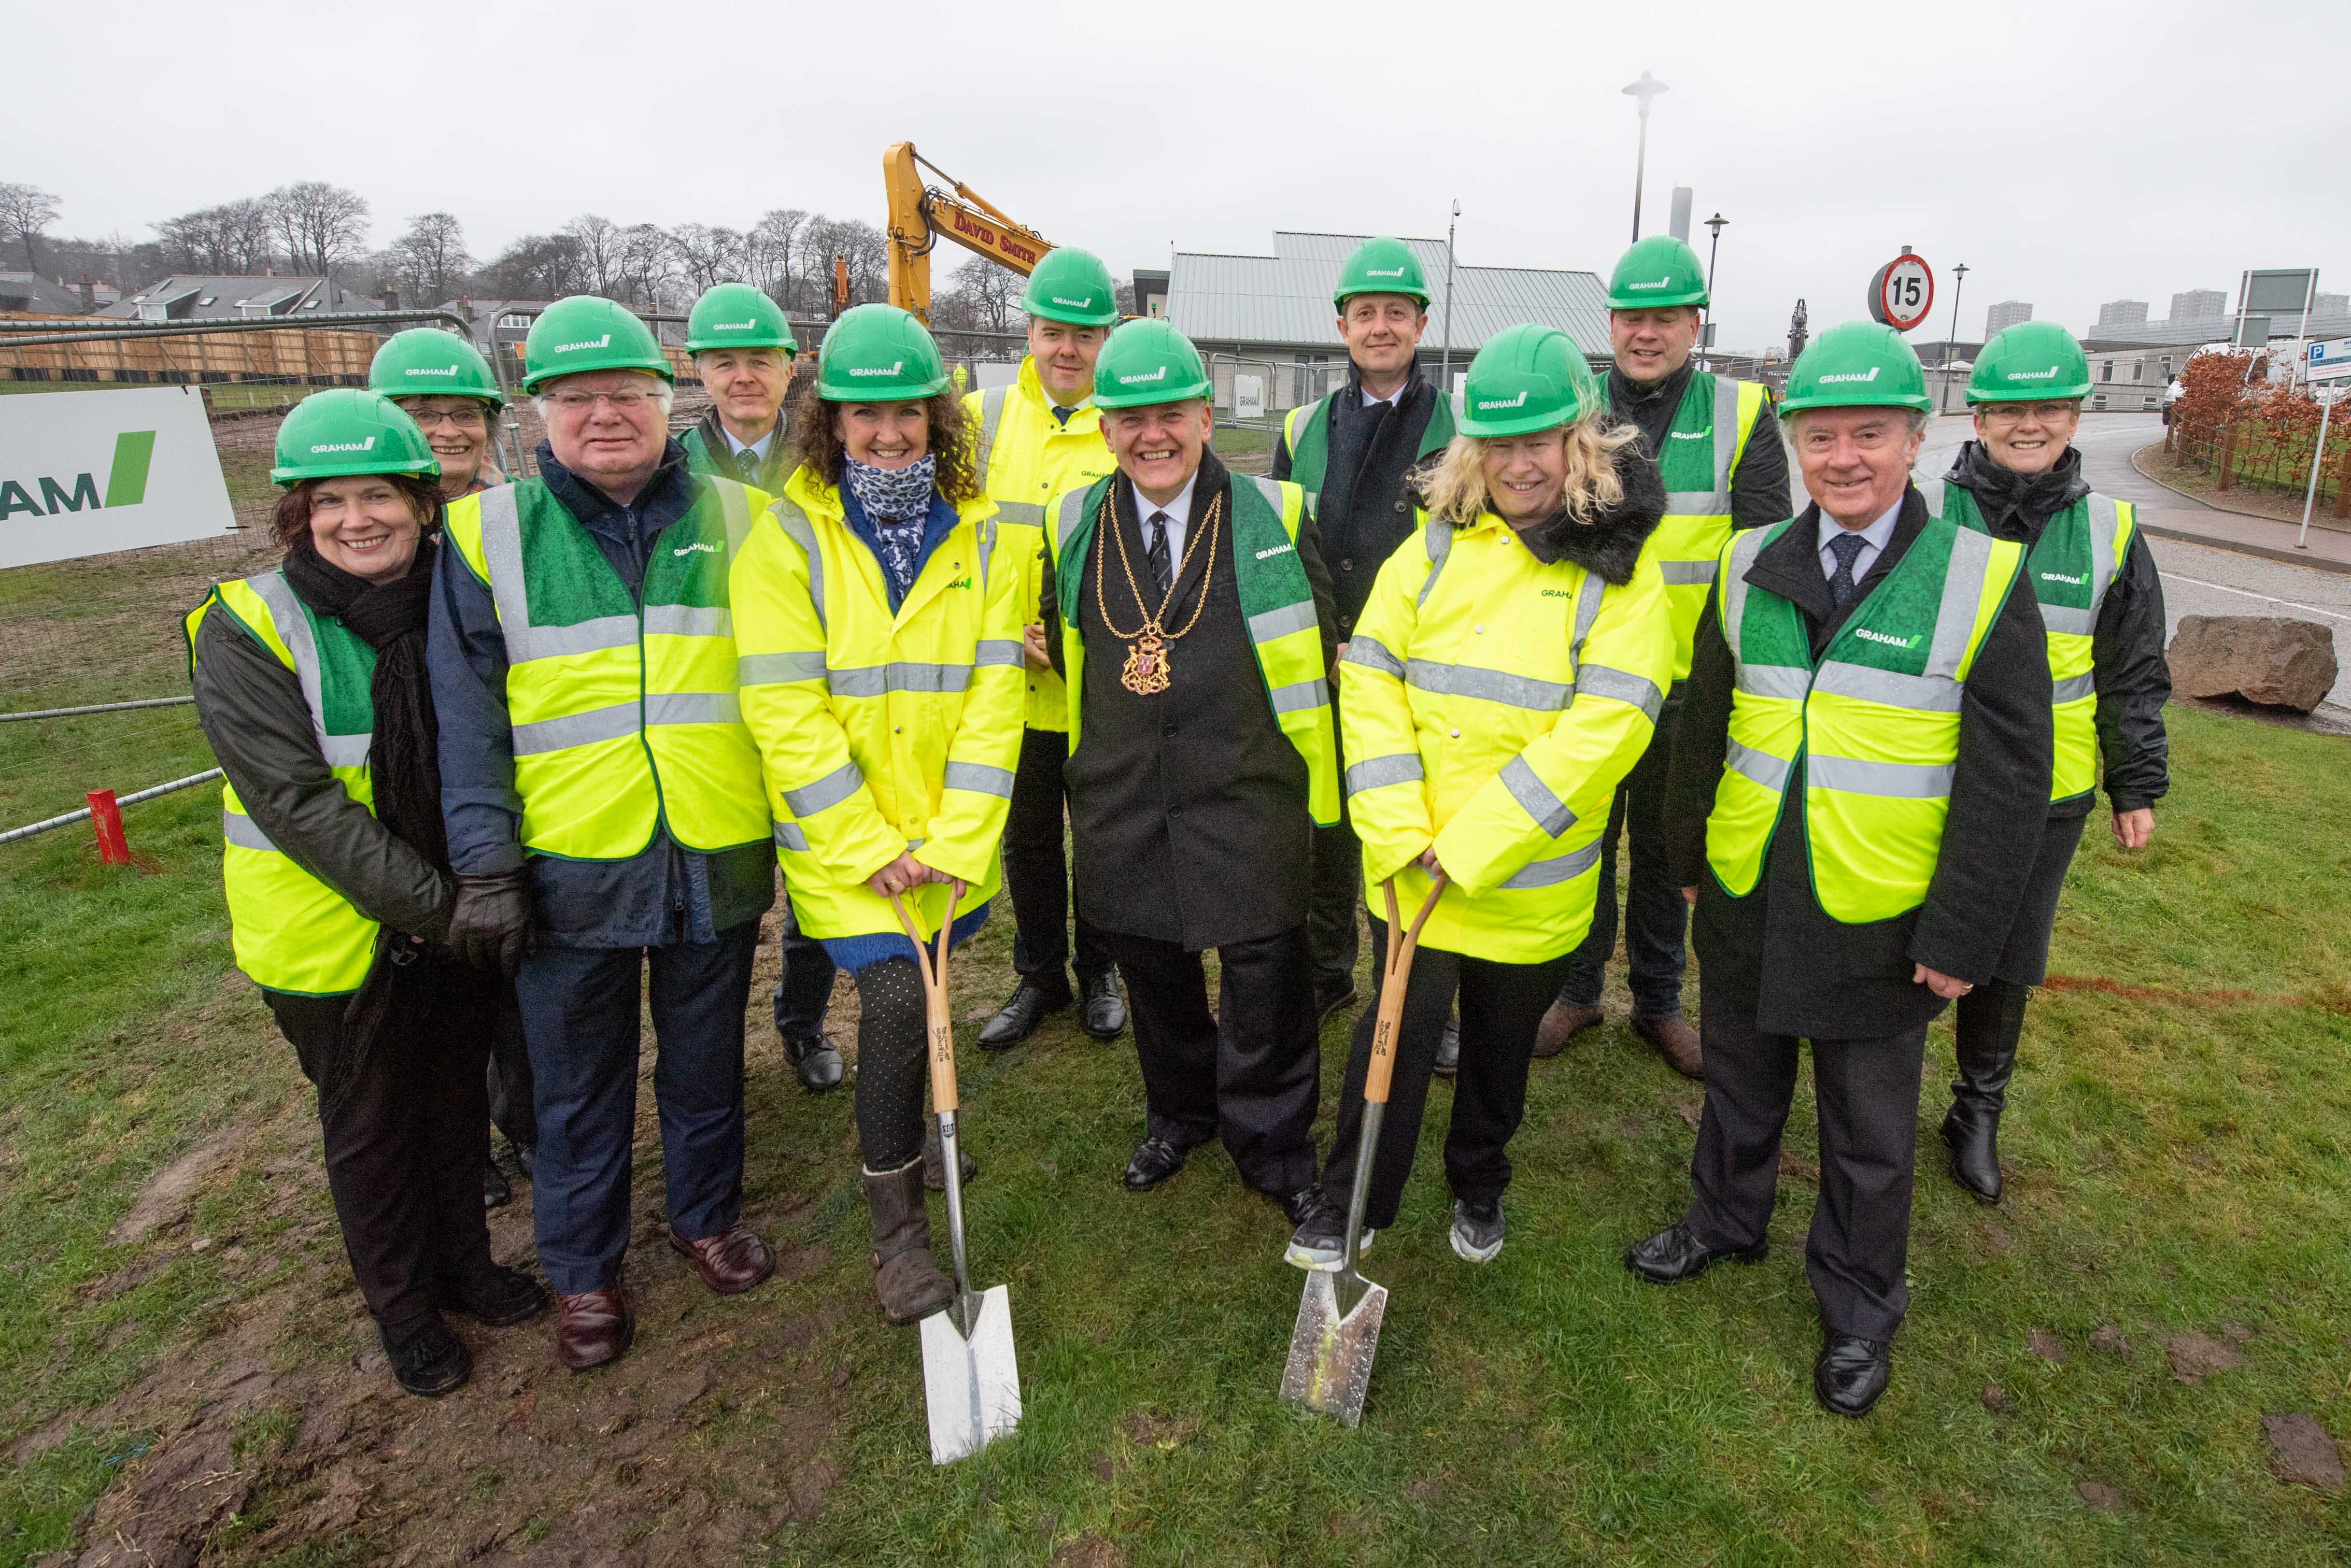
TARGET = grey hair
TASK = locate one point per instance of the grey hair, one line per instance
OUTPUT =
(662, 392)
(1789, 423)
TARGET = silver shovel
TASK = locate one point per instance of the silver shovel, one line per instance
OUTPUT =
(1338, 1332)
(971, 1381)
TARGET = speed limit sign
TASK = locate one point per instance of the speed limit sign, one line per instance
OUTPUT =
(1902, 292)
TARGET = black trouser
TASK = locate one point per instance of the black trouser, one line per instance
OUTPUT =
(405, 1152)
(1335, 896)
(804, 985)
(1656, 918)
(1036, 871)
(582, 1010)
(1248, 1071)
(511, 1092)
(1502, 1005)
(1869, 1096)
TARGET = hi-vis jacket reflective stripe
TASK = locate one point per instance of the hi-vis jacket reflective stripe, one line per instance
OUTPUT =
(624, 717)
(881, 733)
(1306, 431)
(1026, 460)
(1284, 631)
(290, 931)
(1703, 446)
(1491, 703)
(1877, 721)
(2076, 559)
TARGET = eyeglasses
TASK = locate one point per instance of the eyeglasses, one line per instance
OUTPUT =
(2015, 413)
(622, 403)
(457, 418)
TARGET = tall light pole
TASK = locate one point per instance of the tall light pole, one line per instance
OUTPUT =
(1647, 88)
(1959, 274)
(1714, 228)
(1445, 371)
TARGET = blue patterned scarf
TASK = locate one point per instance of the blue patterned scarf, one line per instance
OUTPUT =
(898, 502)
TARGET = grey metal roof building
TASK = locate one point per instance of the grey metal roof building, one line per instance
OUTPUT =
(30, 292)
(189, 296)
(1282, 301)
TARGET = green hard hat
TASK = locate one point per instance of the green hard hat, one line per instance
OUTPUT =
(737, 316)
(1660, 270)
(1380, 266)
(589, 332)
(334, 434)
(425, 361)
(1146, 362)
(2029, 362)
(1856, 364)
(1527, 378)
(878, 353)
(1073, 286)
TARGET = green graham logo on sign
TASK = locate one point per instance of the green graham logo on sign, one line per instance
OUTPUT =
(126, 483)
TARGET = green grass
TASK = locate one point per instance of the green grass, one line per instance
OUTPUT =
(2175, 1159)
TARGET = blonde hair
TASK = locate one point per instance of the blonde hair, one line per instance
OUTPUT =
(1457, 488)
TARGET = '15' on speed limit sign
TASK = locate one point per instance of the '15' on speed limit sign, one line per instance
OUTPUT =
(1902, 292)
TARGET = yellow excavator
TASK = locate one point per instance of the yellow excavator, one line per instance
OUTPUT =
(921, 213)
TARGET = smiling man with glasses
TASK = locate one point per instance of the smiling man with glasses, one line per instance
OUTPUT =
(605, 808)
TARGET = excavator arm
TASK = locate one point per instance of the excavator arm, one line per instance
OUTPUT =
(920, 214)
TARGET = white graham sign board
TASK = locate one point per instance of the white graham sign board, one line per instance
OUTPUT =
(1249, 397)
(87, 473)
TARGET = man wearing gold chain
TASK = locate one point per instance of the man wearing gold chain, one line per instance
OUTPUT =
(1188, 609)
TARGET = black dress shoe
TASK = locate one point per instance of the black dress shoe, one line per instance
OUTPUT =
(1448, 1048)
(1851, 1372)
(1031, 1003)
(526, 1157)
(817, 1061)
(1973, 1134)
(493, 1296)
(1328, 1003)
(497, 1191)
(1156, 1159)
(1673, 1255)
(430, 1360)
(1102, 1012)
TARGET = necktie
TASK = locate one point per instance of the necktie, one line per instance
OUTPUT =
(1163, 569)
(1847, 547)
(1061, 415)
(747, 461)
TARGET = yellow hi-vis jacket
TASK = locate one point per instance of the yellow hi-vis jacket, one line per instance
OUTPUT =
(1025, 459)
(1703, 446)
(1491, 704)
(623, 708)
(879, 733)
(2076, 559)
(1875, 718)
(292, 931)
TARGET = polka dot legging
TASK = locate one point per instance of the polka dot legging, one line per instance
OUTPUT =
(893, 1037)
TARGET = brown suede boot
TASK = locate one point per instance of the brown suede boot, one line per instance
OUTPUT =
(905, 1276)
(1561, 1022)
(1675, 1040)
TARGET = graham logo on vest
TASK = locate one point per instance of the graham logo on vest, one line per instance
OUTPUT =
(1867, 635)
(2061, 577)
(1277, 549)
(1691, 434)
(699, 544)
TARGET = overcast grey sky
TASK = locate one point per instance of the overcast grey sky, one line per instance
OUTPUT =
(2068, 152)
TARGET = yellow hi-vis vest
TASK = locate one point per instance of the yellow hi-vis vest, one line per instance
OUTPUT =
(1025, 459)
(2076, 559)
(1703, 446)
(1875, 721)
(623, 709)
(882, 731)
(1284, 631)
(290, 931)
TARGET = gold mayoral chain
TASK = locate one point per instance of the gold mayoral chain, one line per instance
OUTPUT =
(1148, 671)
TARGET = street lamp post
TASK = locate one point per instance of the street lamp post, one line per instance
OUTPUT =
(1647, 88)
(1714, 228)
(1445, 373)
(1960, 273)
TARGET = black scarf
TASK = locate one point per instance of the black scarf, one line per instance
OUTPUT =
(2017, 507)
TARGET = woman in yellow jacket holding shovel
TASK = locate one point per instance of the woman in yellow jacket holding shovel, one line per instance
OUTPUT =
(878, 628)
(1505, 673)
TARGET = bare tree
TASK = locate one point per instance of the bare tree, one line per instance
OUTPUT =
(536, 267)
(865, 247)
(25, 211)
(989, 294)
(430, 259)
(230, 239)
(648, 263)
(599, 242)
(709, 254)
(772, 251)
(322, 224)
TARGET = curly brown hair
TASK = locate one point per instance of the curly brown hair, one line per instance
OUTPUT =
(817, 444)
(291, 521)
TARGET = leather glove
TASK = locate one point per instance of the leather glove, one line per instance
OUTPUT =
(489, 923)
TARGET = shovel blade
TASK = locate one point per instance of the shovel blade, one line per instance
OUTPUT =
(971, 1382)
(1330, 1365)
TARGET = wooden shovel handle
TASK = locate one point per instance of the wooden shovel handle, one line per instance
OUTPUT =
(937, 1020)
(1394, 975)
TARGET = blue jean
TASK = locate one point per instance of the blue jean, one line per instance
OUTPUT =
(1657, 920)
(580, 1016)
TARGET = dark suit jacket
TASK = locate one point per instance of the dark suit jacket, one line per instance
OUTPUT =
(1187, 809)
(1776, 954)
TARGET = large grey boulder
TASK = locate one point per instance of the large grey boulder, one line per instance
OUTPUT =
(2262, 658)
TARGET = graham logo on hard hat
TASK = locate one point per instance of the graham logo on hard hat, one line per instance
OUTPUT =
(1085, 303)
(1517, 402)
(1158, 375)
(603, 342)
(367, 446)
(732, 325)
(431, 370)
(1384, 272)
(1661, 283)
(891, 369)
(2048, 375)
(1869, 375)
